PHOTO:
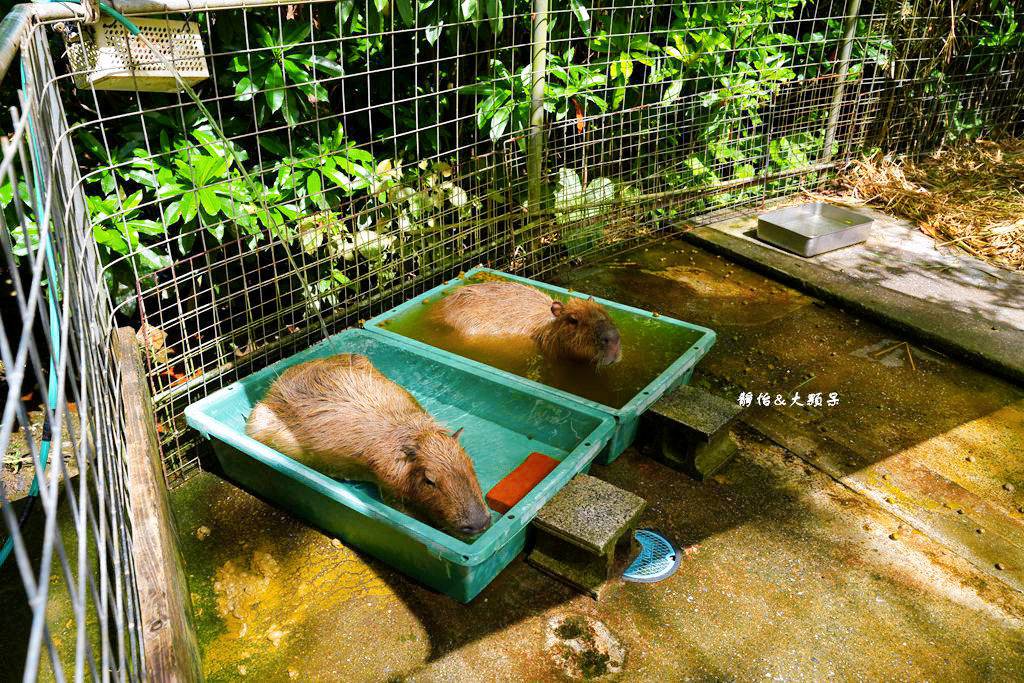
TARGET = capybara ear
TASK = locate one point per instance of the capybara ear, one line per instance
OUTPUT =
(557, 308)
(457, 433)
(590, 298)
(409, 451)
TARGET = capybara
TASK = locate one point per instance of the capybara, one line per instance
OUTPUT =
(579, 329)
(341, 416)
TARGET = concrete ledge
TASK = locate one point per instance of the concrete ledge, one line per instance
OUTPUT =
(999, 351)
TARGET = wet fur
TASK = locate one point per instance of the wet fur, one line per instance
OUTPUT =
(572, 330)
(343, 417)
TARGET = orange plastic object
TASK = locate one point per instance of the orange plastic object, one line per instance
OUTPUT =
(520, 481)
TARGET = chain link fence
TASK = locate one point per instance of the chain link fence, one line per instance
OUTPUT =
(360, 152)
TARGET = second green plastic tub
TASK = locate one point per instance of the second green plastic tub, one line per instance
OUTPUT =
(659, 354)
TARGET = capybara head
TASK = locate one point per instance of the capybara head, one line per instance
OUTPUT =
(441, 483)
(582, 331)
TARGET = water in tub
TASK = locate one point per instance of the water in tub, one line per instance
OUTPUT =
(649, 346)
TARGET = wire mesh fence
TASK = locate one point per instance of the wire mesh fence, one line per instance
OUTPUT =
(388, 148)
(359, 152)
(69, 598)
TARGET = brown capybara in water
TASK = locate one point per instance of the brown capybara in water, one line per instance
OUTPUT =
(579, 329)
(342, 417)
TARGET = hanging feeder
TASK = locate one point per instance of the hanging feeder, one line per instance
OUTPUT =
(106, 56)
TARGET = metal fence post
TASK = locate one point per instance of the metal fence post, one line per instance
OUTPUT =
(538, 78)
(852, 12)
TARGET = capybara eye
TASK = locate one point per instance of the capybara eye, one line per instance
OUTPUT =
(572, 320)
(429, 481)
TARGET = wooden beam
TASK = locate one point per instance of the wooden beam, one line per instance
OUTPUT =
(168, 636)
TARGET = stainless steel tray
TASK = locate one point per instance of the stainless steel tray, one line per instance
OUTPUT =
(810, 229)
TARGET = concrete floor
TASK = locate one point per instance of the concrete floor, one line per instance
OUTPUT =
(853, 542)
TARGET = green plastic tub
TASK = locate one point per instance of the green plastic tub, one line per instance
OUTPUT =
(658, 354)
(505, 420)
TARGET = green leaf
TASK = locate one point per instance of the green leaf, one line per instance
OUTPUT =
(362, 155)
(673, 90)
(263, 36)
(345, 8)
(338, 178)
(291, 108)
(405, 11)
(245, 89)
(433, 32)
(172, 214)
(469, 10)
(496, 13)
(210, 201)
(296, 32)
(314, 186)
(626, 65)
(185, 242)
(146, 227)
(273, 145)
(486, 109)
(500, 121)
(275, 89)
(112, 239)
(149, 260)
(217, 230)
(296, 72)
(189, 206)
(744, 171)
(582, 15)
(322, 64)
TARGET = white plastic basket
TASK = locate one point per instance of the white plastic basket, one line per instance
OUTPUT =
(108, 57)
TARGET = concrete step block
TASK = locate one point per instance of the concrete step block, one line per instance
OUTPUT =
(688, 430)
(585, 534)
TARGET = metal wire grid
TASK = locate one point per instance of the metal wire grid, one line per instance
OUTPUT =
(632, 156)
(80, 619)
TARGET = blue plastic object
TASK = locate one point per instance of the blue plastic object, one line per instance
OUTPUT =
(658, 558)
(505, 419)
(672, 349)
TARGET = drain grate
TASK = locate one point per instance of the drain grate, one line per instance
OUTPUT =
(658, 558)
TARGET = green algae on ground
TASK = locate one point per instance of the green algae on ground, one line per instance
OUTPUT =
(593, 664)
(262, 583)
(572, 627)
(649, 346)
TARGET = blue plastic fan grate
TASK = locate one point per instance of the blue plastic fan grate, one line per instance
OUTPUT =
(658, 558)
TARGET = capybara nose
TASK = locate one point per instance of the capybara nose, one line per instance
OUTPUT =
(480, 520)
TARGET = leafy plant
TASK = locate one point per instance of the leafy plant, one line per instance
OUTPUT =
(284, 73)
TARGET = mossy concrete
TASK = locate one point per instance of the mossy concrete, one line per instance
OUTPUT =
(590, 514)
(823, 550)
(688, 429)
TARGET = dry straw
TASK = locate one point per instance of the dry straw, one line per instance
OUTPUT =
(970, 196)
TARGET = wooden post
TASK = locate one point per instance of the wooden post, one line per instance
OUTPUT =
(168, 637)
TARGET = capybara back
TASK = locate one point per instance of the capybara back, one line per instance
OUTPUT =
(343, 417)
(579, 329)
